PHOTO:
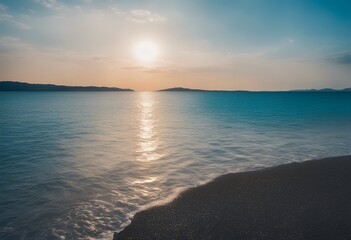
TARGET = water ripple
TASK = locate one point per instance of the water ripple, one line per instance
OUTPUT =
(78, 166)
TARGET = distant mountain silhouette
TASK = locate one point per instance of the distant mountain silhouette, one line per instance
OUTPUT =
(22, 86)
(180, 89)
(322, 90)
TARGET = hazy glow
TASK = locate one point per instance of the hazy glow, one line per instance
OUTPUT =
(146, 52)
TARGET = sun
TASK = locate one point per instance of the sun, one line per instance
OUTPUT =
(146, 52)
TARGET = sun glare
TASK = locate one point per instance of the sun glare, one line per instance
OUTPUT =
(146, 52)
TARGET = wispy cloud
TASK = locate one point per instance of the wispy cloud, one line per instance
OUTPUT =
(11, 45)
(8, 18)
(341, 58)
(52, 4)
(140, 15)
(2, 7)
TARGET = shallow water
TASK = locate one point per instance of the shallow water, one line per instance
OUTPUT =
(78, 165)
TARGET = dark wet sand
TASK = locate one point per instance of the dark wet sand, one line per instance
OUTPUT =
(309, 200)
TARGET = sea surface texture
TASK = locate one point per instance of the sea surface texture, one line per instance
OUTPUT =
(78, 165)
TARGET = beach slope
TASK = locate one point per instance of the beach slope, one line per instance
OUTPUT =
(309, 200)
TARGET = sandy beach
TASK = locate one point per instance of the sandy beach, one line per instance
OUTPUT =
(308, 200)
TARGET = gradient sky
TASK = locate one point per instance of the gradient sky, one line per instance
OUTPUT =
(210, 44)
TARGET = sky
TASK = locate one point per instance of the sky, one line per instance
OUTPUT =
(155, 44)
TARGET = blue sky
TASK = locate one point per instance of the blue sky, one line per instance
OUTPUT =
(257, 45)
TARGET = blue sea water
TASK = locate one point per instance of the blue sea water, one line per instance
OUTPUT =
(78, 165)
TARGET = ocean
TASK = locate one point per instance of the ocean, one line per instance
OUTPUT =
(78, 165)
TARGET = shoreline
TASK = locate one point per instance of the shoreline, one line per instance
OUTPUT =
(307, 200)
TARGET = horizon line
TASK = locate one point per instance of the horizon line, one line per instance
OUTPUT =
(178, 88)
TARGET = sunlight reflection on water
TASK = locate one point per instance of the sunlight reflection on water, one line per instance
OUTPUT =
(147, 137)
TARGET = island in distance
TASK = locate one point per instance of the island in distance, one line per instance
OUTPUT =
(181, 89)
(22, 86)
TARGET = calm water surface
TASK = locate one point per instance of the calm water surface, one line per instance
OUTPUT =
(79, 165)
